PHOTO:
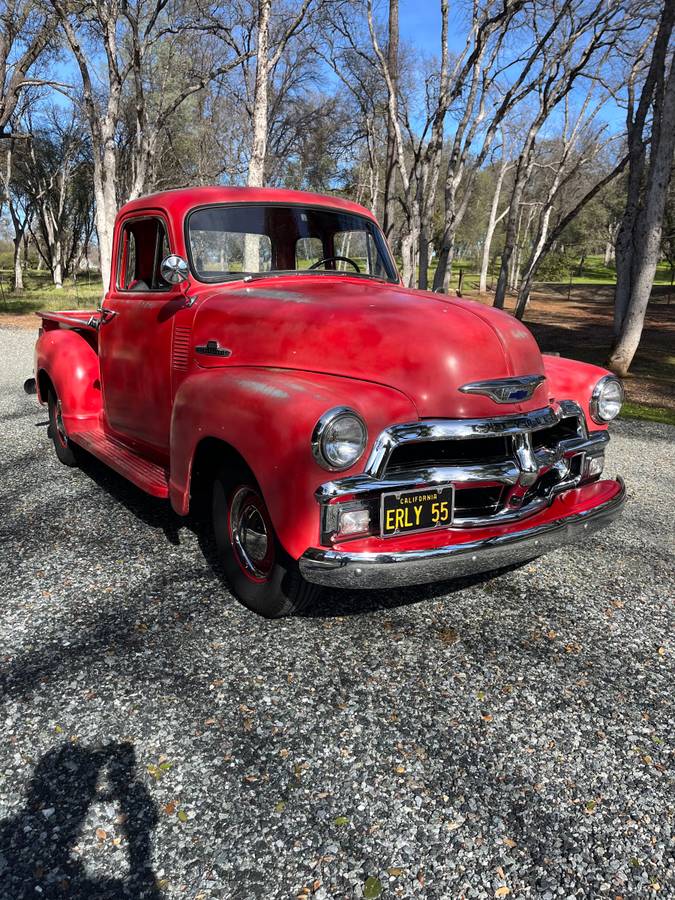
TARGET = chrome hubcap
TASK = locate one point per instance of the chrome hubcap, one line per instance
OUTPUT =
(251, 533)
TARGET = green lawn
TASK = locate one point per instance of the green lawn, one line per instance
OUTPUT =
(40, 293)
(647, 413)
(593, 272)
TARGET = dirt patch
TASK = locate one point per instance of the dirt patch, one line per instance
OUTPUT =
(25, 320)
(577, 323)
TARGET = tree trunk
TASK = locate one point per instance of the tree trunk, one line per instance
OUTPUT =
(523, 169)
(638, 247)
(256, 166)
(389, 211)
(493, 221)
(18, 269)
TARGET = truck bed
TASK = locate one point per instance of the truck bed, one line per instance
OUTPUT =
(71, 318)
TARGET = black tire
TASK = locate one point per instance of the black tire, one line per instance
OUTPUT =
(65, 449)
(258, 570)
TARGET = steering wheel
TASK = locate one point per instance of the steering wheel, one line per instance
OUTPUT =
(335, 259)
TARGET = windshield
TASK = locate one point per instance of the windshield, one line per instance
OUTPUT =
(229, 242)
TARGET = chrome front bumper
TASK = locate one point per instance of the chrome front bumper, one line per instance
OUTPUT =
(341, 569)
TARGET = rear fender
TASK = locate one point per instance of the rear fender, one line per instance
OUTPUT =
(67, 361)
(268, 416)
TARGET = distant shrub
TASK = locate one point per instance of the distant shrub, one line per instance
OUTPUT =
(555, 267)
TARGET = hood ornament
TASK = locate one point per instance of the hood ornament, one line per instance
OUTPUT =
(506, 390)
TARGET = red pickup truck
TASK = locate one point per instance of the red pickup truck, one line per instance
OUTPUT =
(353, 433)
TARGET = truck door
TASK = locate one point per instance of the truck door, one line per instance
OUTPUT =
(136, 334)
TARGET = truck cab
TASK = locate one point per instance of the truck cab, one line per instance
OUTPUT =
(350, 432)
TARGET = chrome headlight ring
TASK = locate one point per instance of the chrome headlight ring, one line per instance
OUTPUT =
(606, 399)
(339, 439)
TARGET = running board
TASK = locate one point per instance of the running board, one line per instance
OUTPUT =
(148, 476)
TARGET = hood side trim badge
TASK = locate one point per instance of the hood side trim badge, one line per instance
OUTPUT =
(506, 390)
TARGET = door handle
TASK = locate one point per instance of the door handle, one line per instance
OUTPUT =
(107, 314)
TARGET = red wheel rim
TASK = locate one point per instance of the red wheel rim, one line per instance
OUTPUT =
(251, 534)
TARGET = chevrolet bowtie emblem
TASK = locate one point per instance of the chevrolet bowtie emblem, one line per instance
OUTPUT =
(506, 390)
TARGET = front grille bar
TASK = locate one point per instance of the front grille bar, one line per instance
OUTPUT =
(520, 475)
(452, 429)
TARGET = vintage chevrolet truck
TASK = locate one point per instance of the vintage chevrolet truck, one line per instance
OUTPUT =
(352, 433)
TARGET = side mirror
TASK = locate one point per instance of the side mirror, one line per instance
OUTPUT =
(174, 269)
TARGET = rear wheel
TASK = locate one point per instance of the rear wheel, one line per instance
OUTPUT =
(65, 449)
(259, 571)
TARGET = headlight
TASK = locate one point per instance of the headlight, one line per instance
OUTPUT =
(606, 399)
(339, 438)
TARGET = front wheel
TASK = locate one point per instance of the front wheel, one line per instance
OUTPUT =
(65, 449)
(260, 573)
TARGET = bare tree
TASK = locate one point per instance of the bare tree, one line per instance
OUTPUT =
(19, 212)
(26, 31)
(495, 216)
(584, 33)
(650, 152)
(269, 51)
(576, 152)
(126, 31)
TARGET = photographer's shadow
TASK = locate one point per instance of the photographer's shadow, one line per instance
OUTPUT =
(36, 858)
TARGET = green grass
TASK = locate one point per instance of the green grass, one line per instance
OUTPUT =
(593, 272)
(647, 413)
(40, 293)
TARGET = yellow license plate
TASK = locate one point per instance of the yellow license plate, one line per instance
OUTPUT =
(416, 510)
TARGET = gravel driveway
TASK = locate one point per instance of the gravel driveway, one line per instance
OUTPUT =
(510, 736)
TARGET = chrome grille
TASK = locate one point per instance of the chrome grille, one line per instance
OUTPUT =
(502, 469)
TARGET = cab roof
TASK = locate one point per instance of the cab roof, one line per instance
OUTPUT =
(180, 202)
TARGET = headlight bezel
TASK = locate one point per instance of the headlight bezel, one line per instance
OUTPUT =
(321, 431)
(597, 397)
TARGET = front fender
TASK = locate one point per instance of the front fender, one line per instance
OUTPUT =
(569, 379)
(267, 416)
(71, 364)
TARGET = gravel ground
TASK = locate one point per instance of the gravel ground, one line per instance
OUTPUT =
(510, 736)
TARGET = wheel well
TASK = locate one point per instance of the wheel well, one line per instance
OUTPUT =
(44, 384)
(212, 455)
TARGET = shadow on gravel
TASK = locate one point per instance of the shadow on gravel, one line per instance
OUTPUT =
(36, 845)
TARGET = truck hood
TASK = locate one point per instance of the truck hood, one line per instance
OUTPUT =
(425, 345)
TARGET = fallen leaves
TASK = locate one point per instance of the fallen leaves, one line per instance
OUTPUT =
(448, 636)
(372, 888)
(101, 834)
(502, 891)
(160, 769)
(341, 821)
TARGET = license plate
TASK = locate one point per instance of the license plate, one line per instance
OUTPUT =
(417, 510)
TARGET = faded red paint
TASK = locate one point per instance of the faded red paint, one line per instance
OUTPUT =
(299, 346)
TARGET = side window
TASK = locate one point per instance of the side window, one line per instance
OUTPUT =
(144, 245)
(308, 250)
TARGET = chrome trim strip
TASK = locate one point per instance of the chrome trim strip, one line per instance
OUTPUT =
(506, 472)
(451, 429)
(506, 390)
(334, 568)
